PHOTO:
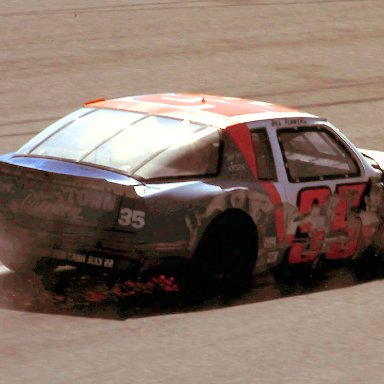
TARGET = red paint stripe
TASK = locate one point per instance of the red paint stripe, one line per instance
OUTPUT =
(242, 138)
(221, 105)
(279, 213)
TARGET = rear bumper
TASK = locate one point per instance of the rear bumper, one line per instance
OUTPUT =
(82, 247)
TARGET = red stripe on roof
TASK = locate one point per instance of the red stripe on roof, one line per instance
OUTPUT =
(225, 106)
(221, 106)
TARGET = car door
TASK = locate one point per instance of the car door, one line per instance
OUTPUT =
(324, 182)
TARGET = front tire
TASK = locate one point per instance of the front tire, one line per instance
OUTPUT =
(369, 266)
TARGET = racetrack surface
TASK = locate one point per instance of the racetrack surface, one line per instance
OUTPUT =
(325, 57)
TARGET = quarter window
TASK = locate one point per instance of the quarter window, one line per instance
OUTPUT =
(263, 155)
(315, 154)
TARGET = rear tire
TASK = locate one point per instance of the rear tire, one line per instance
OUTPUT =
(225, 256)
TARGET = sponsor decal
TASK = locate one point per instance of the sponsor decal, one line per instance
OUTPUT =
(100, 261)
(83, 259)
(54, 201)
(103, 200)
(46, 209)
(236, 167)
(235, 162)
(241, 137)
(294, 121)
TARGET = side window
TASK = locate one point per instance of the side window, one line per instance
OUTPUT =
(314, 153)
(263, 154)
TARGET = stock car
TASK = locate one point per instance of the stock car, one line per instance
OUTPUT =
(220, 188)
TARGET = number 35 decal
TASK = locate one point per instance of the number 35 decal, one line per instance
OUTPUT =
(133, 218)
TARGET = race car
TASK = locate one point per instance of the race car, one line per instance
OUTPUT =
(219, 188)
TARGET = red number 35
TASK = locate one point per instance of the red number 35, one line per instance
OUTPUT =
(327, 223)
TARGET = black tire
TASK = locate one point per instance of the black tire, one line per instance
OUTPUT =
(225, 256)
(368, 266)
(285, 278)
(290, 277)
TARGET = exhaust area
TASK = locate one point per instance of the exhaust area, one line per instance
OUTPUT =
(3, 270)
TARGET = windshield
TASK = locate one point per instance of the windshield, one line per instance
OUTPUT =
(134, 143)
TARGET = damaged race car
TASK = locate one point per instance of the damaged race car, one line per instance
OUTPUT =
(216, 189)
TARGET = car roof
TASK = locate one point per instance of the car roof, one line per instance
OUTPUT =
(219, 111)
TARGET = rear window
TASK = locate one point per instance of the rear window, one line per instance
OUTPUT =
(49, 131)
(136, 144)
(197, 154)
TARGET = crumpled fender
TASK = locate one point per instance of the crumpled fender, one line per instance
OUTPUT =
(378, 156)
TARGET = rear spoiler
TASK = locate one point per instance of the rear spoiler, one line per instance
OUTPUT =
(76, 173)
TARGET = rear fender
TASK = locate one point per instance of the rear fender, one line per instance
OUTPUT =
(255, 204)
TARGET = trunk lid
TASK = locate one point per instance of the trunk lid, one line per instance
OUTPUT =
(36, 191)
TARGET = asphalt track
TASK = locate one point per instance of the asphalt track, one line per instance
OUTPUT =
(326, 57)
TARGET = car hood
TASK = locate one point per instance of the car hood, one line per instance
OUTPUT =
(378, 156)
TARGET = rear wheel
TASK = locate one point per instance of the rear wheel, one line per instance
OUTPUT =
(226, 255)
